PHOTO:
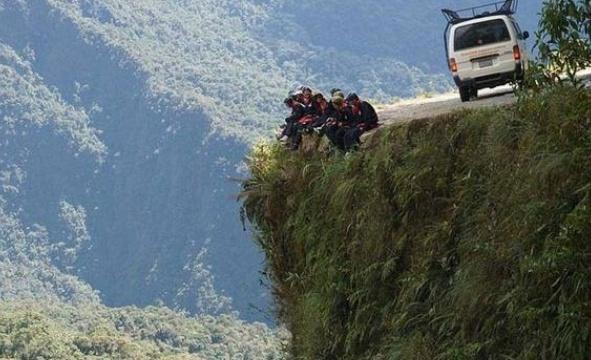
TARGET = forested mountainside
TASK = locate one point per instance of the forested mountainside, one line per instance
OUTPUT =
(61, 331)
(47, 313)
(82, 125)
(123, 121)
(27, 270)
(464, 236)
(380, 48)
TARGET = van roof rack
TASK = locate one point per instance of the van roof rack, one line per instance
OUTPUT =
(506, 7)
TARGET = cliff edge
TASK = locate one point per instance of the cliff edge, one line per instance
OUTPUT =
(464, 236)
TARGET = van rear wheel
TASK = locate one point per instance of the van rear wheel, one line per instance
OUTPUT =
(465, 92)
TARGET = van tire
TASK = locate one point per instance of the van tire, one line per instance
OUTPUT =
(474, 92)
(465, 92)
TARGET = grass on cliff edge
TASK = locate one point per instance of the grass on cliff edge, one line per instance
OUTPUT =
(463, 237)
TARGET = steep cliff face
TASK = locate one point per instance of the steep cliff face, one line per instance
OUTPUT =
(460, 237)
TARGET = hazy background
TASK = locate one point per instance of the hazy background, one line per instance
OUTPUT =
(123, 122)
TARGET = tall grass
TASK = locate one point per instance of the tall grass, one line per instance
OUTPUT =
(464, 237)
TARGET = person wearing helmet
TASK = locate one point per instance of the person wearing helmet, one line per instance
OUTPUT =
(302, 118)
(337, 92)
(297, 112)
(363, 118)
(307, 101)
(321, 107)
(306, 111)
(297, 94)
(337, 122)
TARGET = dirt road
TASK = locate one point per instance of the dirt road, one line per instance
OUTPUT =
(407, 110)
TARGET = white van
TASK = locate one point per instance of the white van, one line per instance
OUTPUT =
(486, 49)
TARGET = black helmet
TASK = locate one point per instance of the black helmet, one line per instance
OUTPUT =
(352, 97)
(317, 96)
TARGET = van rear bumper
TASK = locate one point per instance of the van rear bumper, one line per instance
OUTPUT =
(493, 80)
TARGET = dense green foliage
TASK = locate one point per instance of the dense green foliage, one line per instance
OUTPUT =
(564, 39)
(58, 331)
(462, 237)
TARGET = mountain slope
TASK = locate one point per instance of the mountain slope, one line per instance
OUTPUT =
(195, 55)
(49, 313)
(148, 201)
(26, 101)
(408, 31)
(46, 313)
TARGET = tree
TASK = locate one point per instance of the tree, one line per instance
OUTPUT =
(563, 39)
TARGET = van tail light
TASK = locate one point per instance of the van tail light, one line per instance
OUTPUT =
(453, 66)
(516, 53)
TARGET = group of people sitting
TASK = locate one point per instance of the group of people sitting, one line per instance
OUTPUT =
(342, 119)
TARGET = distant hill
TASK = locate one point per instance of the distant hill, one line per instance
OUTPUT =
(410, 32)
(379, 48)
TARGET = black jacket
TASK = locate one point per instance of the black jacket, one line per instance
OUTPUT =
(297, 112)
(367, 118)
(321, 115)
(342, 117)
(309, 109)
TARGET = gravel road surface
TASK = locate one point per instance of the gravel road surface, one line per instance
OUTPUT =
(440, 104)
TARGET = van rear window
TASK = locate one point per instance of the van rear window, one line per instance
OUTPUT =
(480, 34)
